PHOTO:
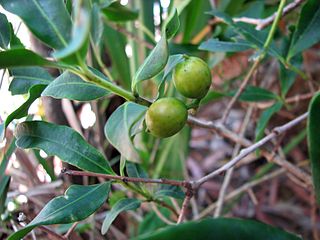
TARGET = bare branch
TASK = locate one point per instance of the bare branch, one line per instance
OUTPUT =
(262, 23)
(185, 204)
(246, 151)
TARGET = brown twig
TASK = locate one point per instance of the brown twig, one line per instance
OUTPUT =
(53, 234)
(262, 23)
(71, 229)
(240, 90)
(185, 204)
(246, 151)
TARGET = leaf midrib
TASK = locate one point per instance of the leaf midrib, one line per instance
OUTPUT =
(50, 140)
(63, 41)
(64, 207)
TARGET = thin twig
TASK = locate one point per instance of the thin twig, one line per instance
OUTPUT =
(185, 184)
(160, 215)
(262, 23)
(228, 176)
(71, 229)
(240, 90)
(185, 204)
(246, 151)
(53, 234)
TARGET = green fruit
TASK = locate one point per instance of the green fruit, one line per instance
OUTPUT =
(166, 117)
(192, 77)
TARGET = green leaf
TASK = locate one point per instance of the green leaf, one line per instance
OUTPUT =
(306, 34)
(153, 64)
(71, 86)
(255, 94)
(220, 228)
(257, 38)
(4, 187)
(212, 96)
(48, 20)
(22, 111)
(169, 191)
(151, 221)
(4, 31)
(121, 206)
(96, 25)
(265, 118)
(135, 170)
(118, 129)
(63, 142)
(43, 162)
(115, 43)
(78, 203)
(116, 12)
(76, 49)
(214, 45)
(14, 40)
(172, 62)
(22, 58)
(172, 24)
(313, 131)
(25, 78)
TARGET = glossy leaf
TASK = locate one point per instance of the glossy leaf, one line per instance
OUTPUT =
(214, 45)
(48, 20)
(63, 142)
(121, 206)
(22, 111)
(172, 62)
(153, 64)
(118, 129)
(119, 13)
(265, 118)
(306, 33)
(257, 38)
(71, 86)
(76, 48)
(26, 77)
(23, 58)
(255, 94)
(313, 131)
(172, 24)
(4, 187)
(96, 25)
(221, 228)
(78, 203)
(169, 191)
(4, 31)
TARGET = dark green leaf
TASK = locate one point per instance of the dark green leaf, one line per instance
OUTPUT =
(63, 142)
(172, 62)
(265, 118)
(121, 206)
(22, 58)
(221, 228)
(306, 33)
(22, 111)
(25, 78)
(119, 13)
(4, 187)
(43, 162)
(135, 170)
(76, 49)
(78, 203)
(118, 129)
(169, 191)
(14, 40)
(115, 43)
(96, 25)
(172, 24)
(71, 86)
(214, 45)
(313, 131)
(212, 96)
(152, 222)
(4, 31)
(48, 20)
(6, 156)
(153, 64)
(255, 94)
